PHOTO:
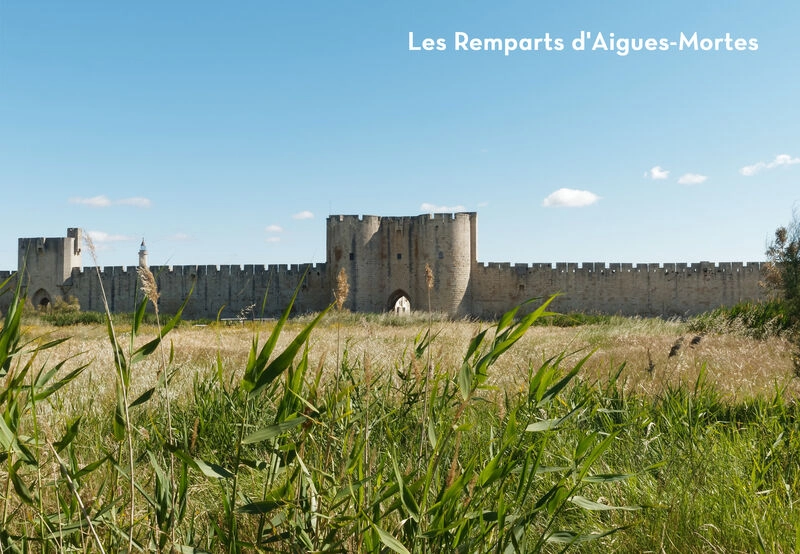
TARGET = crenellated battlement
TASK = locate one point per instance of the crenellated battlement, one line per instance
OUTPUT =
(385, 260)
(436, 216)
(249, 269)
(604, 267)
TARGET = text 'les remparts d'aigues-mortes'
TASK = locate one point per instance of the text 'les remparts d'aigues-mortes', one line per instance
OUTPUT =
(586, 41)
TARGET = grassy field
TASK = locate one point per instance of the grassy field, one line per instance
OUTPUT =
(739, 367)
(354, 433)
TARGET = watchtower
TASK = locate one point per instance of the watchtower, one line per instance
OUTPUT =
(143, 255)
(46, 264)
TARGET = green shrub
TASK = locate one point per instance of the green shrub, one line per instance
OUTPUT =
(754, 319)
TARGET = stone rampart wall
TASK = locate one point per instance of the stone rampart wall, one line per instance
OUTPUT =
(626, 289)
(385, 259)
(231, 289)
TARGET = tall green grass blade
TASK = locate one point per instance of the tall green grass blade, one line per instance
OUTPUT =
(587, 504)
(273, 431)
(11, 444)
(68, 378)
(406, 498)
(389, 541)
(553, 423)
(23, 491)
(214, 471)
(51, 344)
(150, 347)
(570, 537)
(138, 317)
(69, 435)
(142, 398)
(257, 363)
(607, 477)
(10, 332)
(119, 425)
(89, 468)
(285, 358)
(558, 387)
(491, 472)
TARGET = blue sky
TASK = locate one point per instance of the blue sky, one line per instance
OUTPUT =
(226, 133)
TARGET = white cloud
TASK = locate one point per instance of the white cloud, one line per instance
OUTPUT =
(692, 179)
(780, 159)
(657, 173)
(136, 201)
(179, 236)
(101, 201)
(482, 204)
(305, 214)
(433, 208)
(101, 237)
(274, 229)
(570, 198)
(272, 239)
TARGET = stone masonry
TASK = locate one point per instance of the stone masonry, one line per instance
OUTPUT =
(385, 259)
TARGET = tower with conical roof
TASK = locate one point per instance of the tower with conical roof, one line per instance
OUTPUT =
(142, 254)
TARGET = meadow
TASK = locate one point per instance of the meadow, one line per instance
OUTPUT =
(343, 432)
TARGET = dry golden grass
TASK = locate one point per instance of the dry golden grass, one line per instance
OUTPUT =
(739, 367)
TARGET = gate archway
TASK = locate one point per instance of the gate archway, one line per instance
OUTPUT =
(399, 303)
(41, 299)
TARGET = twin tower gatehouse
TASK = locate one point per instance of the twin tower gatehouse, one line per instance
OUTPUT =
(385, 261)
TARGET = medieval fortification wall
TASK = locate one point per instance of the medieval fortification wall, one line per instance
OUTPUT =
(385, 260)
(225, 290)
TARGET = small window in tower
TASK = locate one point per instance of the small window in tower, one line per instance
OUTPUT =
(441, 255)
(522, 288)
(352, 256)
(399, 256)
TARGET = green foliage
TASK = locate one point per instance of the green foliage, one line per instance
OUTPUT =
(283, 458)
(65, 318)
(576, 320)
(754, 319)
(783, 271)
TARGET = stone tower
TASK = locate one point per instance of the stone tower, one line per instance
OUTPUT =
(143, 254)
(385, 259)
(46, 265)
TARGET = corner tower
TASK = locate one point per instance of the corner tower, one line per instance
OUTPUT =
(385, 259)
(46, 264)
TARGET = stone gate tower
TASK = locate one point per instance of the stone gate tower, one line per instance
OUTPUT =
(46, 265)
(385, 259)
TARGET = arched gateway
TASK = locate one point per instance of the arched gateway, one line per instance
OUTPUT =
(399, 303)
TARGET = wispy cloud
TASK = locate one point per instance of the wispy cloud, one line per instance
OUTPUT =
(179, 237)
(305, 214)
(101, 237)
(433, 208)
(103, 201)
(692, 179)
(274, 229)
(657, 173)
(136, 201)
(272, 239)
(780, 159)
(570, 198)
